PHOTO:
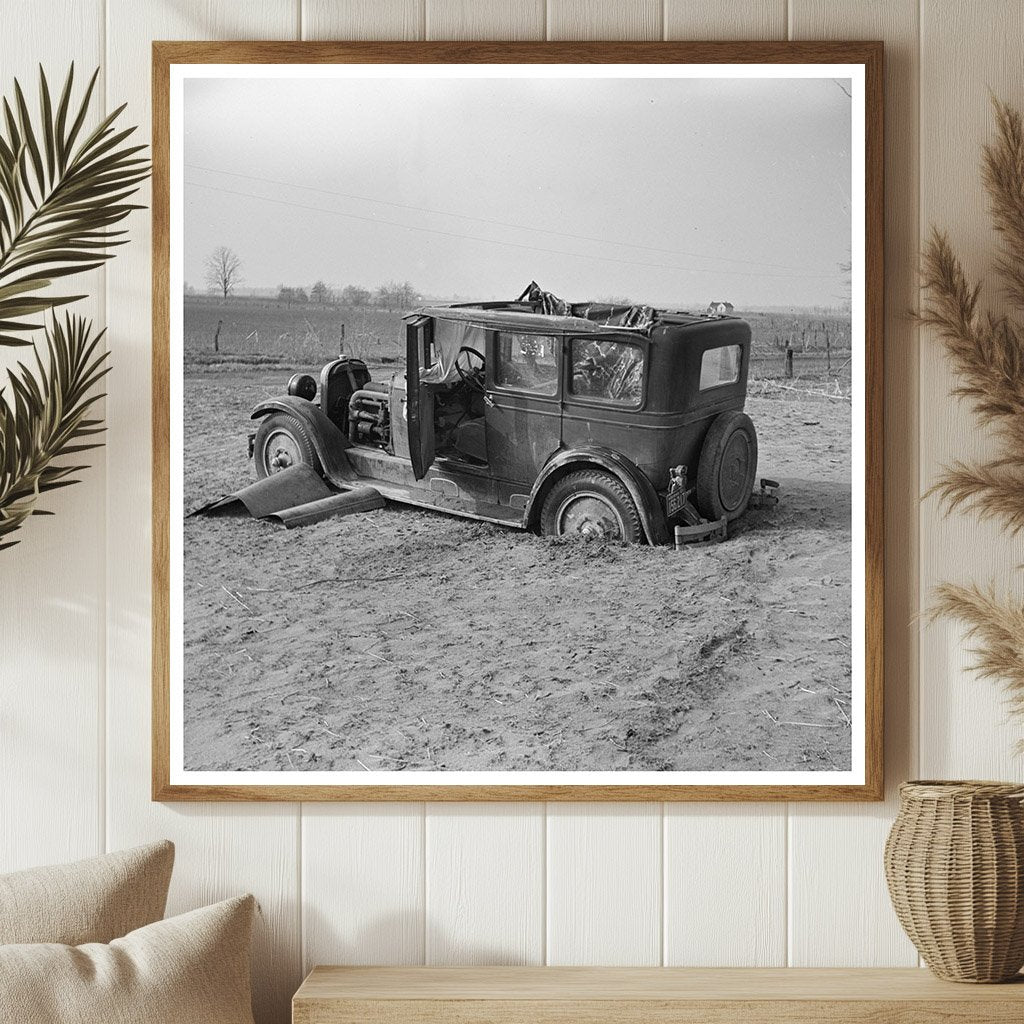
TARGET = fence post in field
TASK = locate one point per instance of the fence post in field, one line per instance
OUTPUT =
(216, 336)
(789, 361)
(828, 352)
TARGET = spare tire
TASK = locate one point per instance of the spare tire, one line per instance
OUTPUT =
(727, 467)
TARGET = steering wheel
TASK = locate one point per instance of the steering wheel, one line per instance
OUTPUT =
(471, 376)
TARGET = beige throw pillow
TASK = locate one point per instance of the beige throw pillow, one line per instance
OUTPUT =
(93, 900)
(191, 969)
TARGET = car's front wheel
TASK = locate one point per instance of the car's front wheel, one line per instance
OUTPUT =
(282, 441)
(592, 504)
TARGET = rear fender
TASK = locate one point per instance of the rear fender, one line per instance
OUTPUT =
(640, 488)
(330, 443)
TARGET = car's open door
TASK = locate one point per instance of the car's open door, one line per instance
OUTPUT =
(420, 399)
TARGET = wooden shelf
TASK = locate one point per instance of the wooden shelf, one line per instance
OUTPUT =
(646, 995)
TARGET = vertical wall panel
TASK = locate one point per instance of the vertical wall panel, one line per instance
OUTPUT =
(362, 884)
(51, 583)
(967, 49)
(604, 19)
(485, 884)
(222, 848)
(485, 19)
(363, 19)
(836, 851)
(604, 884)
(725, 19)
(725, 867)
(725, 885)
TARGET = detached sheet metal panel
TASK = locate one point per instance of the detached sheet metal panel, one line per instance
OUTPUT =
(296, 496)
(359, 499)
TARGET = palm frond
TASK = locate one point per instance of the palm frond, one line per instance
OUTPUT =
(45, 417)
(62, 192)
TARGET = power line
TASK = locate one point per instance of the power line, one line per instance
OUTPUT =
(498, 241)
(496, 223)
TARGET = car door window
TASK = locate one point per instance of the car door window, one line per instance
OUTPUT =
(609, 370)
(527, 362)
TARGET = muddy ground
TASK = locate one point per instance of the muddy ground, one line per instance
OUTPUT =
(410, 640)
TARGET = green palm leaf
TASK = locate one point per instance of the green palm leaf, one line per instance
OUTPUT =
(62, 191)
(45, 417)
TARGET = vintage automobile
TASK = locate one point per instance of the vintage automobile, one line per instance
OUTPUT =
(591, 419)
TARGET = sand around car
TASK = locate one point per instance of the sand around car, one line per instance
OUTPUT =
(619, 422)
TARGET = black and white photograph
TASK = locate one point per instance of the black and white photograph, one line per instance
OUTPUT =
(517, 424)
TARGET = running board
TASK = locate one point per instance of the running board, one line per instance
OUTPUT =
(418, 496)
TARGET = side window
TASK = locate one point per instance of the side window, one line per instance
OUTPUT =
(610, 370)
(719, 366)
(527, 362)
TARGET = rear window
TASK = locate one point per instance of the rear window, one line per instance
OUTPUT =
(720, 366)
(527, 362)
(610, 370)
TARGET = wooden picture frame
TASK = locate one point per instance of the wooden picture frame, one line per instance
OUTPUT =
(869, 55)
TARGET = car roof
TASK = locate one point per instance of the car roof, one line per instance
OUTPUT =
(499, 318)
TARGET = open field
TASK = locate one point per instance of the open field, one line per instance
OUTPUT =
(821, 345)
(299, 334)
(409, 640)
(294, 335)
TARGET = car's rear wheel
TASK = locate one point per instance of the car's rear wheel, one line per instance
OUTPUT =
(727, 467)
(591, 504)
(282, 441)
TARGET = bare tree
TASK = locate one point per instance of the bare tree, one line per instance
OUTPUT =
(223, 270)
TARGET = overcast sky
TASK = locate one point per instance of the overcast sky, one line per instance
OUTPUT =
(672, 191)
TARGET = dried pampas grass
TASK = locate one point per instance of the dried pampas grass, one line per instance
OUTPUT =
(987, 351)
(996, 629)
(987, 354)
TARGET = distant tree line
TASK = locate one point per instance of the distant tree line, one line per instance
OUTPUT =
(393, 295)
(222, 271)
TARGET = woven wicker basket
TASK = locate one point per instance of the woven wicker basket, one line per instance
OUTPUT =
(954, 862)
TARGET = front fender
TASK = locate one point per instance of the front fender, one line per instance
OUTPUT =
(330, 443)
(640, 488)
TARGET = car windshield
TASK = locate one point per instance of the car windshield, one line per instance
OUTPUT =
(449, 337)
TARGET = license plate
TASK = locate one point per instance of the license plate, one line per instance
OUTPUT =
(675, 499)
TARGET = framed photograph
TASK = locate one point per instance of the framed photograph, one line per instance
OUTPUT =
(517, 419)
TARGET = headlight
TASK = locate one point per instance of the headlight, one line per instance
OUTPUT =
(302, 385)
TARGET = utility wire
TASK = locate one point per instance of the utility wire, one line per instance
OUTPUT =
(499, 241)
(496, 223)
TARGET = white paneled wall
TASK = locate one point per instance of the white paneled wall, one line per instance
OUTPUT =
(742, 884)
